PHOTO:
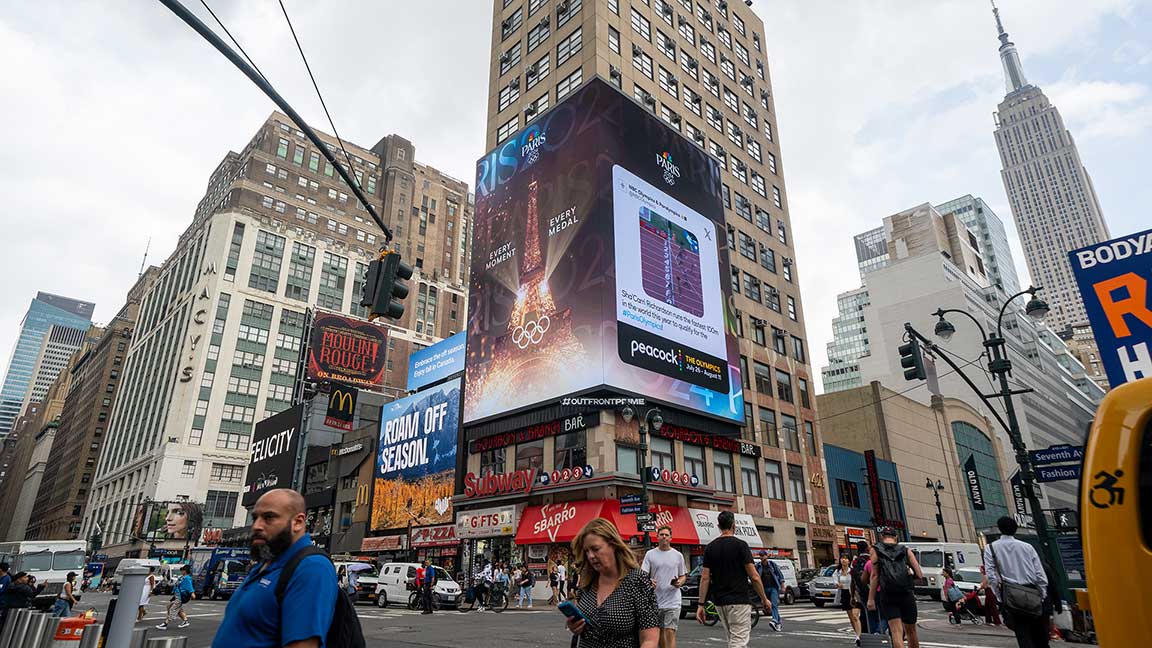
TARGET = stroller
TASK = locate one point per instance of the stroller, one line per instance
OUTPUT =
(969, 608)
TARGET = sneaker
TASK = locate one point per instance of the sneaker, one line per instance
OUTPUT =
(184, 625)
(162, 626)
(775, 625)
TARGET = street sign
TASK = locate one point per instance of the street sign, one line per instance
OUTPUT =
(646, 526)
(1066, 519)
(629, 499)
(1046, 474)
(631, 509)
(645, 517)
(1057, 454)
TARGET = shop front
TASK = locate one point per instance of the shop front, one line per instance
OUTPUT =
(485, 536)
(386, 549)
(438, 544)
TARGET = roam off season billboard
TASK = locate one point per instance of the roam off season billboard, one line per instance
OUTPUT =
(416, 458)
(599, 260)
(347, 350)
(1114, 278)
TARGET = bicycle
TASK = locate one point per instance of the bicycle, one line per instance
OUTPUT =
(495, 599)
(712, 617)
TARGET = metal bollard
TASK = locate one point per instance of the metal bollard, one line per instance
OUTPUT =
(13, 620)
(36, 625)
(167, 642)
(48, 636)
(137, 639)
(91, 636)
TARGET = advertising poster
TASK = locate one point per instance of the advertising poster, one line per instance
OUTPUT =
(347, 350)
(272, 462)
(600, 259)
(416, 458)
(341, 407)
(1114, 279)
(437, 362)
(160, 521)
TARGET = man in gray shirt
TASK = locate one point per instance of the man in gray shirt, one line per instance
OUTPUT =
(666, 567)
(1009, 560)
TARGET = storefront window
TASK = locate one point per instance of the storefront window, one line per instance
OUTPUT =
(530, 455)
(492, 461)
(627, 459)
(571, 450)
(662, 456)
(694, 462)
(774, 478)
(749, 476)
(722, 464)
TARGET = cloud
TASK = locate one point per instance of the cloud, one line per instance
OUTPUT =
(1103, 109)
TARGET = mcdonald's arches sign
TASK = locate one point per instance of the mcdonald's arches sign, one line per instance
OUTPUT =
(341, 407)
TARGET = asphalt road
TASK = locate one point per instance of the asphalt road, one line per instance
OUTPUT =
(804, 625)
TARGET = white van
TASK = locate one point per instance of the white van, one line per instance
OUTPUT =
(392, 586)
(935, 556)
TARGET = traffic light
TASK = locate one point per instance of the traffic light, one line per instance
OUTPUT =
(912, 360)
(384, 290)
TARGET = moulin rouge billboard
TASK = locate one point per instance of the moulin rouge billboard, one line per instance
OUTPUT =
(347, 350)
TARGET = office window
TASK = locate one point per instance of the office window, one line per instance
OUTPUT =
(754, 151)
(530, 455)
(810, 438)
(749, 476)
(722, 466)
(738, 24)
(790, 431)
(509, 93)
(662, 454)
(220, 504)
(725, 37)
(568, 84)
(627, 459)
(641, 26)
(511, 24)
(847, 494)
(509, 127)
(642, 62)
(791, 308)
(731, 101)
(708, 50)
(772, 163)
(768, 427)
(538, 34)
(758, 185)
(189, 469)
(773, 480)
(687, 31)
(226, 473)
(510, 58)
(798, 349)
(562, 18)
(537, 72)
(776, 197)
(669, 82)
(767, 256)
(805, 398)
(492, 461)
(692, 102)
(784, 386)
(694, 462)
(571, 450)
(670, 116)
(666, 45)
(796, 483)
(763, 377)
(614, 40)
(282, 148)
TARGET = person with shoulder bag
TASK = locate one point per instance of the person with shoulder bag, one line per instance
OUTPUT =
(1016, 574)
(182, 594)
(894, 568)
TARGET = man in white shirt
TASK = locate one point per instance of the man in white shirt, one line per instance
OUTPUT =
(666, 567)
(1009, 560)
(562, 579)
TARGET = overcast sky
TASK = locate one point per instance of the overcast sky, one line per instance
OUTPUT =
(115, 113)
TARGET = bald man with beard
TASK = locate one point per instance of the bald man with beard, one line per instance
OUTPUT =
(254, 617)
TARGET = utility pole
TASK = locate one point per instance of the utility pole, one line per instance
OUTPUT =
(654, 419)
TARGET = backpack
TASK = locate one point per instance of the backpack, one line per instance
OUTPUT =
(857, 571)
(345, 630)
(895, 577)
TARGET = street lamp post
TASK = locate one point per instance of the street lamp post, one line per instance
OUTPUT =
(654, 419)
(936, 488)
(1001, 367)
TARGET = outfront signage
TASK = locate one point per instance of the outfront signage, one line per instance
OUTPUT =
(1114, 278)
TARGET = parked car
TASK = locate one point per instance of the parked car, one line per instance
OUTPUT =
(690, 592)
(968, 579)
(366, 581)
(804, 578)
(935, 556)
(824, 587)
(396, 580)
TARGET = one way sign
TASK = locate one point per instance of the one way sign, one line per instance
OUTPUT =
(1066, 519)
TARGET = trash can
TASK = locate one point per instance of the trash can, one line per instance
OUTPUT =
(70, 630)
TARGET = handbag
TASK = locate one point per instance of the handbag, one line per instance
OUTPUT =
(1021, 600)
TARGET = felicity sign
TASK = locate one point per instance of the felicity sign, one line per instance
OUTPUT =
(520, 481)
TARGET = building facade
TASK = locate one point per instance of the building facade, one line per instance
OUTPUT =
(45, 311)
(992, 237)
(1050, 192)
(64, 488)
(60, 344)
(865, 493)
(217, 343)
(702, 68)
(939, 442)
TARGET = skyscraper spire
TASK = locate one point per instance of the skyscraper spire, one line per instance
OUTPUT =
(1013, 71)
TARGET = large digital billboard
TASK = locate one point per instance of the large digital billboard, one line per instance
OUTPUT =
(600, 260)
(160, 521)
(272, 463)
(416, 458)
(347, 350)
(437, 362)
(1114, 278)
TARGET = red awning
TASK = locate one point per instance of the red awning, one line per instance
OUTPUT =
(562, 522)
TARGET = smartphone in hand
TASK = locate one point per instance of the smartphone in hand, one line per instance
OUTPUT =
(569, 609)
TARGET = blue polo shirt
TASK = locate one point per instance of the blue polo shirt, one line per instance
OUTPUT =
(254, 620)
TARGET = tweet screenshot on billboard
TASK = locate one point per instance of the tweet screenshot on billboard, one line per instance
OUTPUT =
(598, 263)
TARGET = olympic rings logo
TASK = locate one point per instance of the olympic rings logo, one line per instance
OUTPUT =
(531, 332)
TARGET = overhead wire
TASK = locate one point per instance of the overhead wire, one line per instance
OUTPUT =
(233, 39)
(315, 85)
(899, 393)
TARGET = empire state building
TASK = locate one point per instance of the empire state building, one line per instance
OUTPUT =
(1049, 190)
